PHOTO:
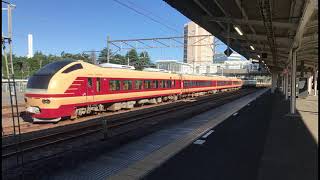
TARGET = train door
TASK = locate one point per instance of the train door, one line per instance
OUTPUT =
(90, 89)
(182, 85)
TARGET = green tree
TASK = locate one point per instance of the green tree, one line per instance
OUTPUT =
(84, 56)
(144, 61)
(40, 58)
(103, 55)
(133, 58)
(118, 59)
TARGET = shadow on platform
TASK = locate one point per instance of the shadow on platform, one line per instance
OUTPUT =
(291, 152)
(262, 142)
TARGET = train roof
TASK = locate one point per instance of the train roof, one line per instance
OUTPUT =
(123, 73)
(91, 70)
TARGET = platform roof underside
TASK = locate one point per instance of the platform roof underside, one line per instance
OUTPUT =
(270, 26)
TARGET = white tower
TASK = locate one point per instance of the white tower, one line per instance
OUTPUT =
(30, 48)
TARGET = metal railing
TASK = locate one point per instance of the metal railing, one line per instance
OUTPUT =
(21, 85)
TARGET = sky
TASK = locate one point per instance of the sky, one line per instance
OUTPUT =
(76, 25)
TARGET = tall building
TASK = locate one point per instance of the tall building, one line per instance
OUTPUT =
(197, 50)
(30, 46)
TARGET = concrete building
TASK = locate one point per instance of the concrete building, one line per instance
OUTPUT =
(174, 66)
(231, 65)
(197, 50)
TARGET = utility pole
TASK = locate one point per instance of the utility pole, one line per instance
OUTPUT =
(10, 34)
(12, 88)
(108, 49)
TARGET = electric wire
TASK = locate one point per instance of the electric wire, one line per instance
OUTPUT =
(145, 15)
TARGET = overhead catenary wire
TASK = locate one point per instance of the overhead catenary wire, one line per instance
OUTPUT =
(145, 15)
(153, 14)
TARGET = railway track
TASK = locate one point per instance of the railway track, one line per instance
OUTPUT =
(36, 143)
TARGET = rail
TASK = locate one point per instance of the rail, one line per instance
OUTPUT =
(97, 127)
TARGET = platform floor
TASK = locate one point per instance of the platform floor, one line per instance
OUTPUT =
(135, 159)
(260, 142)
(291, 149)
(196, 127)
(308, 110)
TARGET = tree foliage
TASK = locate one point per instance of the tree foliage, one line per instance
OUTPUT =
(25, 67)
(139, 61)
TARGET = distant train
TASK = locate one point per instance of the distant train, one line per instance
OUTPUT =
(75, 88)
(257, 83)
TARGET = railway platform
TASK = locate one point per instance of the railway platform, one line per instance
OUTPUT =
(136, 158)
(261, 142)
(195, 127)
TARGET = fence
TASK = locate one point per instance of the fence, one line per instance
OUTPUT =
(21, 85)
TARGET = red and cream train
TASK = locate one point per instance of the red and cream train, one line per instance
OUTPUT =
(74, 88)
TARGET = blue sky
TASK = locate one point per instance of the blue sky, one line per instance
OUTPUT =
(76, 25)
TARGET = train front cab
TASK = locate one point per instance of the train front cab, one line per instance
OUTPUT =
(45, 91)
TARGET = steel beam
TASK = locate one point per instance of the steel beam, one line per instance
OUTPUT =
(252, 22)
(208, 12)
(261, 37)
(244, 14)
(307, 13)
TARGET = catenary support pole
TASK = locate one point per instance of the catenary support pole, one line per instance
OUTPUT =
(315, 82)
(283, 83)
(310, 78)
(293, 82)
(286, 85)
(108, 49)
(274, 82)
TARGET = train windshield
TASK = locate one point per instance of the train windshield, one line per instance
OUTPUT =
(40, 80)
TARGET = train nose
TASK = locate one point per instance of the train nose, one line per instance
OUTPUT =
(34, 110)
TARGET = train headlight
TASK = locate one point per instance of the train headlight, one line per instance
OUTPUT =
(34, 110)
(45, 101)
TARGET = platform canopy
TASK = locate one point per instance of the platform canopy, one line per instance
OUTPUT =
(272, 28)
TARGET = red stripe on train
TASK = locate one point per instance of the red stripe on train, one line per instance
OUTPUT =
(116, 92)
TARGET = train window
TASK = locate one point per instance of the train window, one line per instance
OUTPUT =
(138, 84)
(89, 82)
(147, 84)
(163, 84)
(98, 84)
(127, 85)
(168, 83)
(73, 68)
(155, 83)
(173, 83)
(114, 85)
(185, 84)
